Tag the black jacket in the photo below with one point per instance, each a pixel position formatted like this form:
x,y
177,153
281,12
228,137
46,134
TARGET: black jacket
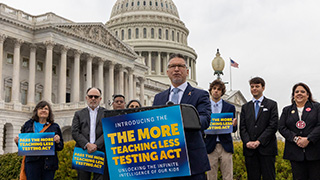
x,y
51,162
263,129
288,129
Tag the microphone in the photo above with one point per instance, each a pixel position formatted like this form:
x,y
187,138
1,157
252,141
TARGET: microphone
x,y
170,103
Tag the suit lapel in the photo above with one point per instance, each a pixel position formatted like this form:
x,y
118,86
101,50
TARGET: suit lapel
x,y
99,116
306,111
87,116
187,94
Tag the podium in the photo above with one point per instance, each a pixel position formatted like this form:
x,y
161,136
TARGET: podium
x,y
190,116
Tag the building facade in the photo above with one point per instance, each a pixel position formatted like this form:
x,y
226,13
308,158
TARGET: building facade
x,y
154,30
48,57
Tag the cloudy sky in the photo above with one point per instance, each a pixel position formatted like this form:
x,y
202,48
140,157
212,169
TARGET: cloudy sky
x,y
277,40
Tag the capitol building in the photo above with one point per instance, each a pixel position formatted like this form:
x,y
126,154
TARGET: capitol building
x,y
48,57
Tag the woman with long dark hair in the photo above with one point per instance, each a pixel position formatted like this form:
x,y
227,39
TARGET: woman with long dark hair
x,y
300,126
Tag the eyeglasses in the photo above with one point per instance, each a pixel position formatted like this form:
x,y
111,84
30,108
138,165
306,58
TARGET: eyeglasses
x,y
93,96
180,66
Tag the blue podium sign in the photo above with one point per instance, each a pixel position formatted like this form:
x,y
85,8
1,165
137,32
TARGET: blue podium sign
x,y
93,162
146,145
36,144
221,123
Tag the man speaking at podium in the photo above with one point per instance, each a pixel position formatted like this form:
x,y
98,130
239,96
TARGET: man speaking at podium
x,y
182,92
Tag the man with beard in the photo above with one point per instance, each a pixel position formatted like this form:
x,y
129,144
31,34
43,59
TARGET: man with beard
x,y
87,130
182,92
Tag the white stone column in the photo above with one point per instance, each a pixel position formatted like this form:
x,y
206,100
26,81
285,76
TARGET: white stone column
x,y
2,39
89,71
32,75
100,75
16,73
76,77
190,68
134,91
121,80
63,75
126,84
111,80
142,90
158,64
194,70
149,63
130,89
47,90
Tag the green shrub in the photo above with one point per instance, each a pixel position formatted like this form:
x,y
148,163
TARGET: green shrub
x,y
65,162
283,167
10,166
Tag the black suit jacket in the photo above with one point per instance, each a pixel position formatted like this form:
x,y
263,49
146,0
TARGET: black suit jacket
x,y
288,129
225,139
81,128
263,129
198,158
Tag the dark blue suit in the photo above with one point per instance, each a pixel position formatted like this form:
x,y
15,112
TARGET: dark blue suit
x,y
198,158
225,139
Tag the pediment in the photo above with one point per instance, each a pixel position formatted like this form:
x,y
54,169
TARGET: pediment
x,y
98,34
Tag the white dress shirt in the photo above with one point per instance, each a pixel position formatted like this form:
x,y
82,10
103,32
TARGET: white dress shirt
x,y
93,118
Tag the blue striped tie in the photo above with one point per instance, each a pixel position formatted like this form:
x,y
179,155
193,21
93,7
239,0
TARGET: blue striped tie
x,y
175,96
257,108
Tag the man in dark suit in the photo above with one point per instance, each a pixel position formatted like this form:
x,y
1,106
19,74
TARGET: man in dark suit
x,y
258,126
182,92
87,130
220,147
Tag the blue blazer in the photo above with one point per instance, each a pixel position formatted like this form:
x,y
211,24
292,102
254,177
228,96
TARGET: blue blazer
x,y
197,153
225,139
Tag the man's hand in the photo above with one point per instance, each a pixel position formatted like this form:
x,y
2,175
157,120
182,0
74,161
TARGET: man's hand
x,y
91,148
234,122
253,144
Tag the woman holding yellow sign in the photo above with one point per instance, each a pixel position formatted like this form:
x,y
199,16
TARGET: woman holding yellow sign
x,y
41,167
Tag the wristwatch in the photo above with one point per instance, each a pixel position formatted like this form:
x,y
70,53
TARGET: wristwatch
x,y
295,139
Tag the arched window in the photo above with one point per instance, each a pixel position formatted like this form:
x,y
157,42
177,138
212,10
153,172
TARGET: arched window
x,y
144,3
132,4
122,34
117,33
126,4
160,33
167,34
156,3
144,32
24,92
172,35
129,33
137,33
150,3
178,35
138,3
152,33
8,89
161,4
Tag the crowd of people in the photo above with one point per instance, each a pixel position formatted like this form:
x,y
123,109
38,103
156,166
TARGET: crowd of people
x,y
299,124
